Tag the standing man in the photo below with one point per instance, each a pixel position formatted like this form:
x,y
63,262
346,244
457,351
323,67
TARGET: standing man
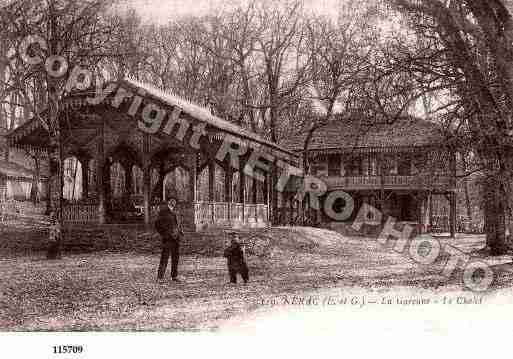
x,y
168,226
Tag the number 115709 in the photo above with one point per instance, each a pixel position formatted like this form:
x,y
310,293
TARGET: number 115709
x,y
67,349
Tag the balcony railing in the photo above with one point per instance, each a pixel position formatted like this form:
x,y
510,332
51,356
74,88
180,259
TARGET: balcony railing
x,y
229,214
199,214
80,213
388,182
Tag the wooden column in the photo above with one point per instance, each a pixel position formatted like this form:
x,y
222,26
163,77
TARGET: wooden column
x,y
48,185
242,191
107,187
254,187
146,180
228,187
291,206
211,180
254,190
193,178
266,189
274,193
100,163
272,198
423,214
146,193
452,199
162,183
228,183
430,211
211,188
128,181
85,177
193,183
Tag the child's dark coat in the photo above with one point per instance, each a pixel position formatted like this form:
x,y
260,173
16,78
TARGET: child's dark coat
x,y
236,262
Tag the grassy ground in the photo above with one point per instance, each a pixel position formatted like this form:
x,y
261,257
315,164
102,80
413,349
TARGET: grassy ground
x,y
117,291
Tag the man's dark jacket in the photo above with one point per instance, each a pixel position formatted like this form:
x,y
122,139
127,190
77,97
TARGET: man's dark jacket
x,y
168,225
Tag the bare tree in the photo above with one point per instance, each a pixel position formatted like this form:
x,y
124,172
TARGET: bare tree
x,y
469,60
77,31
342,52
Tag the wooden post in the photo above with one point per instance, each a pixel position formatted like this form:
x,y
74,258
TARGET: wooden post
x,y
48,185
291,204
266,197
193,182
162,181
266,189
422,214
254,190
272,195
430,211
211,180
100,163
211,188
85,177
128,182
146,180
146,193
228,184
193,178
452,197
242,191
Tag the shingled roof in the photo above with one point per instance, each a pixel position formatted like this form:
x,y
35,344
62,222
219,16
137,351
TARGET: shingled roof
x,y
349,133
167,98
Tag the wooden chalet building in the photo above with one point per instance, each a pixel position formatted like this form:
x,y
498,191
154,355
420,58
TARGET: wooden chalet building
x,y
105,139
16,176
402,168
16,182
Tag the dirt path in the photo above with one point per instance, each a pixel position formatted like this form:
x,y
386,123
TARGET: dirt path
x,y
117,291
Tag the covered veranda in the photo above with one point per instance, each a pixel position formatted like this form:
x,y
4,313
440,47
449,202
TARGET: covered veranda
x,y
116,172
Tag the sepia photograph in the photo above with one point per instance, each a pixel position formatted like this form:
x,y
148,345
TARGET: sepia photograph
x,y
194,168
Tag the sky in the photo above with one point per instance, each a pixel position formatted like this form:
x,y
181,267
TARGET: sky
x,y
162,11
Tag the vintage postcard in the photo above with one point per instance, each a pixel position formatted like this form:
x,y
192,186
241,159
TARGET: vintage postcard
x,y
176,173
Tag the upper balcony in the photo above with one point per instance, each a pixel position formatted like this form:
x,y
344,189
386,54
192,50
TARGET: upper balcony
x,y
389,182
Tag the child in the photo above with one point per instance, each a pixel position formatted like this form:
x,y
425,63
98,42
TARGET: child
x,y
235,260
55,237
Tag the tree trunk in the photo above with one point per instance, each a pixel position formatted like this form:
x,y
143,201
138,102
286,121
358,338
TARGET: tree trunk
x,y
495,218
55,245
466,189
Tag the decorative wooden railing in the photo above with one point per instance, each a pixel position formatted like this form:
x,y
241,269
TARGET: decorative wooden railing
x,y
227,214
388,181
262,213
199,214
221,212
237,212
250,212
80,212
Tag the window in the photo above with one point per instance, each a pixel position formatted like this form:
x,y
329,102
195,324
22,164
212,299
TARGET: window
x,y
390,165
404,166
353,166
373,166
334,165
319,166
